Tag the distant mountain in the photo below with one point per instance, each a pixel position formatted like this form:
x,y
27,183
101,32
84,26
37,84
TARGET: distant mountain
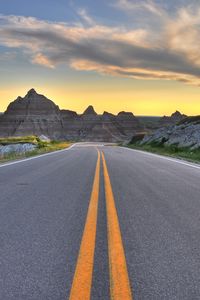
x,y
149,122
37,115
89,111
173,119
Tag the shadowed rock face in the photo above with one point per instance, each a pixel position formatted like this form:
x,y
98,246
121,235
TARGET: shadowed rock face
x,y
127,122
89,111
171,120
36,115
107,127
33,114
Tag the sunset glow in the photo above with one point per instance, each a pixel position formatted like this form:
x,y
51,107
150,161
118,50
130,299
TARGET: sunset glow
x,y
135,59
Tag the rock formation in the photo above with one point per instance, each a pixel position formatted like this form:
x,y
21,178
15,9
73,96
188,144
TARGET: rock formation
x,y
16,148
32,115
36,115
90,126
186,134
89,112
171,120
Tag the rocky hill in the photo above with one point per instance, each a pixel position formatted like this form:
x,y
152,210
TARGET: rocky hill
x,y
33,114
185,134
171,120
36,115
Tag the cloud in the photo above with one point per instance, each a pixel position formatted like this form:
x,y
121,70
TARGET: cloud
x,y
131,5
184,32
43,60
169,53
85,16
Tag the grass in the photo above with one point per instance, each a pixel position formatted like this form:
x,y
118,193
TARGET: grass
x,y
19,140
172,151
42,147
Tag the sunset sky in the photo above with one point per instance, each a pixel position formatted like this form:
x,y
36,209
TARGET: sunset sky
x,y
141,56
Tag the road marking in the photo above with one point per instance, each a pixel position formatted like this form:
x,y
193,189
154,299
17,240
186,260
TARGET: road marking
x,y
119,280
82,281
88,145
35,157
165,158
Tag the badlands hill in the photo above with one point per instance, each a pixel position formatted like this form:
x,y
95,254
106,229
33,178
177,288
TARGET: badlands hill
x,y
171,120
36,115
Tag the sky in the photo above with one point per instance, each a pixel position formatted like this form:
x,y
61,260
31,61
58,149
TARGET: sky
x,y
141,56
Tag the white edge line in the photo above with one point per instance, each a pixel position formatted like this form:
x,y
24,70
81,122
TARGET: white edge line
x,y
35,157
165,157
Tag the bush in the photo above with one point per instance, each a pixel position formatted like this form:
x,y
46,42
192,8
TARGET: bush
x,y
137,138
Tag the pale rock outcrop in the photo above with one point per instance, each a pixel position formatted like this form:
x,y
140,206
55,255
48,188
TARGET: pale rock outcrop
x,y
185,134
16,148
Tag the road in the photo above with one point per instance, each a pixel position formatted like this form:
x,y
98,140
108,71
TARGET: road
x,y
99,222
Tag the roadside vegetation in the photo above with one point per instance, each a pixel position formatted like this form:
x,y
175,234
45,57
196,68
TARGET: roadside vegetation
x,y
173,151
158,145
20,140
41,147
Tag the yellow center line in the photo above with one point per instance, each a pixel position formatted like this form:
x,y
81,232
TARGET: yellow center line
x,y
119,280
82,281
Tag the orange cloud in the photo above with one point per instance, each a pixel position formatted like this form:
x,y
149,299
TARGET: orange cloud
x,y
41,59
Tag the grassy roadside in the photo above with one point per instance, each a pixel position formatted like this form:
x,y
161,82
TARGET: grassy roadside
x,y
42,147
172,151
20,140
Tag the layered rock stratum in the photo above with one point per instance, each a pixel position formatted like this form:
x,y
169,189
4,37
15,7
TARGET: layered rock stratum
x,y
33,114
36,115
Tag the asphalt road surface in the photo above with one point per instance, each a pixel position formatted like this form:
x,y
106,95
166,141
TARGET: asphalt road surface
x,y
99,222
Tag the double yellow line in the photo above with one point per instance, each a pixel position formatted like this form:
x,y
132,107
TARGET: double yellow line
x,y
119,280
